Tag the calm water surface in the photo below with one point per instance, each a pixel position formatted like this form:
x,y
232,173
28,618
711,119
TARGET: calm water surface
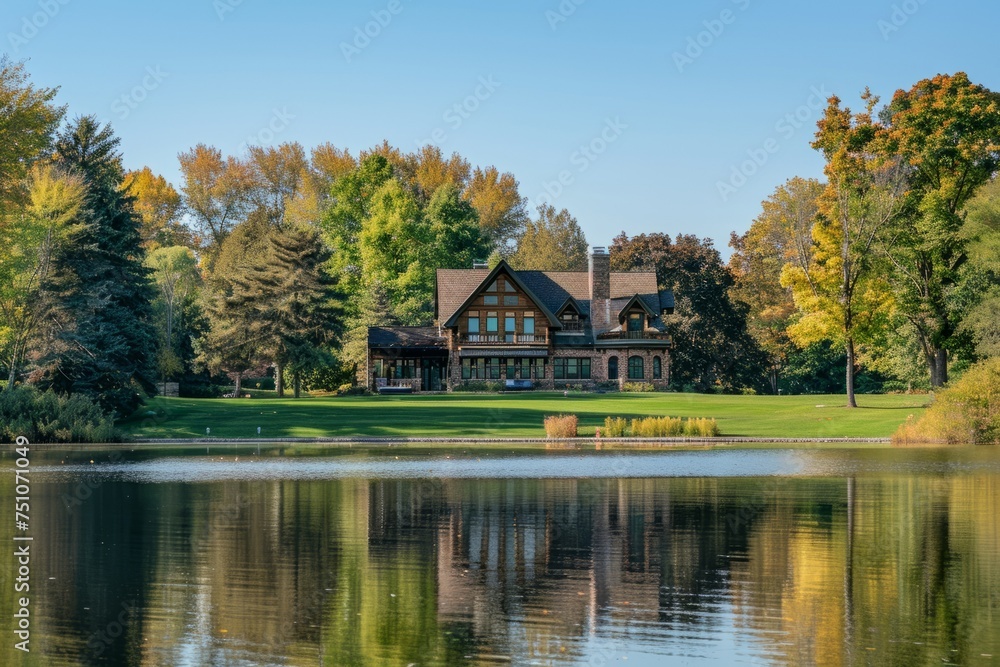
x,y
754,557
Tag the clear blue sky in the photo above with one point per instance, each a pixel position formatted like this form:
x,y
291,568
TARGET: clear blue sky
x,y
557,81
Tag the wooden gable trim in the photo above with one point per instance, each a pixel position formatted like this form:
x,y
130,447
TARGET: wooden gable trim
x,y
504,268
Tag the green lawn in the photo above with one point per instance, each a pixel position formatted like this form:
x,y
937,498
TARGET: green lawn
x,y
516,415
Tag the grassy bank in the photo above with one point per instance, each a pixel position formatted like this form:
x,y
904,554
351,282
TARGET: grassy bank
x,y
515,415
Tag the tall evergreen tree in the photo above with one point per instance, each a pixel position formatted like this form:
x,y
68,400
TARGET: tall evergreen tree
x,y
106,345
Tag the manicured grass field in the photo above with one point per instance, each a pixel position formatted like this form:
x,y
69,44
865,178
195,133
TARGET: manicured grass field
x,y
516,415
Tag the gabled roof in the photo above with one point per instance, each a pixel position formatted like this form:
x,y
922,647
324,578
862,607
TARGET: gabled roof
x,y
455,287
503,267
570,301
633,301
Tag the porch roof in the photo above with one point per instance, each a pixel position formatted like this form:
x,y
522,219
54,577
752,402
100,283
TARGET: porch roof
x,y
501,353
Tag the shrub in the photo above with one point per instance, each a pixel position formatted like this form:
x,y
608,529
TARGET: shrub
x,y
615,427
48,417
701,428
659,427
348,389
479,386
966,413
638,387
561,426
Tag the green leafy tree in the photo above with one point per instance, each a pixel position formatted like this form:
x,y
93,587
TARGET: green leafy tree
x,y
177,279
28,121
981,275
782,233
349,208
947,130
842,294
32,239
553,242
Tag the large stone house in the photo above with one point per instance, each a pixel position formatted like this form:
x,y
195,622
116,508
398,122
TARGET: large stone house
x,y
537,329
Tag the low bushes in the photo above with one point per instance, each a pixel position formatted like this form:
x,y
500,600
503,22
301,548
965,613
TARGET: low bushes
x,y
480,386
615,427
966,413
638,387
348,389
659,427
561,426
47,417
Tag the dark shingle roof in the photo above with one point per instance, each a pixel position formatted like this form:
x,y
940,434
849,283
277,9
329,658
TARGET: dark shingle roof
x,y
455,286
405,337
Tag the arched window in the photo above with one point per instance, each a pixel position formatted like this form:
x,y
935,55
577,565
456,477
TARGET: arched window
x,y
657,368
636,371
613,368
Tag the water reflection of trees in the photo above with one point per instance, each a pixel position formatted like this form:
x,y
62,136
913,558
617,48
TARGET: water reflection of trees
x,y
400,571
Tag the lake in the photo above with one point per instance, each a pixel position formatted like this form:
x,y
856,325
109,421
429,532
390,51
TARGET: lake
x,y
757,557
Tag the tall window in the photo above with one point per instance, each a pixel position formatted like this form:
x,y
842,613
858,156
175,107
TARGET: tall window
x,y
474,326
493,367
635,322
530,369
491,323
509,327
657,368
613,368
636,371
473,369
571,369
529,327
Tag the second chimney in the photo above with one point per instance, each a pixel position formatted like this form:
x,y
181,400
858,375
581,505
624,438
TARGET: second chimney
x,y
600,289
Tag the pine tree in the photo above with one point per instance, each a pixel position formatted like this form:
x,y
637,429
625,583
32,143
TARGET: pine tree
x,y
283,311
105,344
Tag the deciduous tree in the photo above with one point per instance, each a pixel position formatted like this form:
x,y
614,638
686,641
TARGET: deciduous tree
x,y
842,295
947,130
553,242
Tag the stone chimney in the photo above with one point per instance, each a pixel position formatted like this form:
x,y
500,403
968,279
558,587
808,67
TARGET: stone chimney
x,y
600,289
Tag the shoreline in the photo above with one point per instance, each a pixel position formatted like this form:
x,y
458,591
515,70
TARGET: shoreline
x,y
427,440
